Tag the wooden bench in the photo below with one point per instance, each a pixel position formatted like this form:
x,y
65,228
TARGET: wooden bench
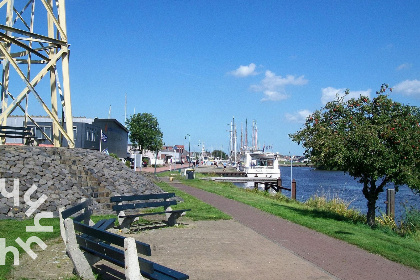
x,y
125,202
88,242
16,132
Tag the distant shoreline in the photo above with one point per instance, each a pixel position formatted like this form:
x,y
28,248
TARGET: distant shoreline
x,y
296,164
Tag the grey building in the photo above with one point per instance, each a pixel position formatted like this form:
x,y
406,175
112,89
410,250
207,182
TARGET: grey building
x,y
116,136
87,133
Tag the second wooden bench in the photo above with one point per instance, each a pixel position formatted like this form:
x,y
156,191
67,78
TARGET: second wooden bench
x,y
133,202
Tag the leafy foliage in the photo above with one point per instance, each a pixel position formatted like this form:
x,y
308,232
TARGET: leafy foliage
x,y
219,153
114,156
374,140
145,132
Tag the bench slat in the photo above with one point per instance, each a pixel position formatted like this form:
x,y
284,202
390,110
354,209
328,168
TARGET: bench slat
x,y
110,237
68,212
81,217
105,224
153,213
111,254
142,197
163,273
123,207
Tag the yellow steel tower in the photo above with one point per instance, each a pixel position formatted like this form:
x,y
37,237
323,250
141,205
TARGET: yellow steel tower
x,y
29,52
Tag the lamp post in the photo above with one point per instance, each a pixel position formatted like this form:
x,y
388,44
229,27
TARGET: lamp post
x,y
157,153
189,149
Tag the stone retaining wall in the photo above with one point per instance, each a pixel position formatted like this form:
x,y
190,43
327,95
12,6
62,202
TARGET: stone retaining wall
x,y
64,176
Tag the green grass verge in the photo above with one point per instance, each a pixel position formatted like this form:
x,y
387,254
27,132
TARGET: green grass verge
x,y
199,210
10,230
381,240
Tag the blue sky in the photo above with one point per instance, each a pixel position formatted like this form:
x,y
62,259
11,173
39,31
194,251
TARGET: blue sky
x,y
197,64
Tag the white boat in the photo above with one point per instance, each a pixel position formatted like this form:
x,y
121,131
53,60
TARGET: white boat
x,y
261,164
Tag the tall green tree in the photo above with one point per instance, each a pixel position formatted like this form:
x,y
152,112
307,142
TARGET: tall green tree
x,y
144,132
219,153
374,140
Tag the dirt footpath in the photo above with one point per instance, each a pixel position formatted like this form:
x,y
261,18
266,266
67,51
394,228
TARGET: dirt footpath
x,y
203,250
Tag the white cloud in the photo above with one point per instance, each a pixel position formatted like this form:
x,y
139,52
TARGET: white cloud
x,y
408,87
244,71
404,66
330,94
299,117
273,86
274,95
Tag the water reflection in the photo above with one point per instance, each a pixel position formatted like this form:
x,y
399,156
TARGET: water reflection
x,y
310,182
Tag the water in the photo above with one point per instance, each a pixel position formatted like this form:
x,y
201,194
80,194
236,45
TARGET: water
x,y
310,182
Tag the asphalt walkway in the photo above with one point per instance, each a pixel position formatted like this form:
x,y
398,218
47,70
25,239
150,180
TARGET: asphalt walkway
x,y
336,257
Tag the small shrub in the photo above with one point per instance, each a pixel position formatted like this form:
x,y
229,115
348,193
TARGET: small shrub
x,y
282,197
335,205
386,221
410,224
114,156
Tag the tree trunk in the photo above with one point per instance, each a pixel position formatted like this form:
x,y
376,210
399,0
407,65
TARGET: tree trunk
x,y
371,212
371,194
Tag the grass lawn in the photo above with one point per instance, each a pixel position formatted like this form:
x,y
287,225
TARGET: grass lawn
x,y
380,240
10,230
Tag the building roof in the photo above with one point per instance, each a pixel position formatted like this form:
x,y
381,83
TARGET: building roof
x,y
111,120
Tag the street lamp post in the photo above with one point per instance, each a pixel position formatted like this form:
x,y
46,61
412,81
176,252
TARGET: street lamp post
x,y
189,149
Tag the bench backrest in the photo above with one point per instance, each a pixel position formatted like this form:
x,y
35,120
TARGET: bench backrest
x,y
77,208
122,198
157,200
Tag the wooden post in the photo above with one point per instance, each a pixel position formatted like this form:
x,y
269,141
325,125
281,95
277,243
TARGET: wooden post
x,y
294,189
390,203
279,185
256,186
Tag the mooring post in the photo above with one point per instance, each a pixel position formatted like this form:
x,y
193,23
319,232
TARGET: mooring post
x,y
390,203
294,189
279,185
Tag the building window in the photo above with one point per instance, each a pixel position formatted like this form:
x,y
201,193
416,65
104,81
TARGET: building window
x,y
47,131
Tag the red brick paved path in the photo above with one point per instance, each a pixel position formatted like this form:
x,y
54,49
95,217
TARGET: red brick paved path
x,y
340,259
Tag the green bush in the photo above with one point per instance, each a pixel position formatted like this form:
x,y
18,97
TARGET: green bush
x,y
335,205
410,224
114,156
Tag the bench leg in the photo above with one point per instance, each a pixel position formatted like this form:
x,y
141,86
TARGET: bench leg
x,y
171,218
78,259
62,229
125,222
132,267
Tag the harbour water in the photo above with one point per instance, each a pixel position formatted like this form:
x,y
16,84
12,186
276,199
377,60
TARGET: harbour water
x,y
310,182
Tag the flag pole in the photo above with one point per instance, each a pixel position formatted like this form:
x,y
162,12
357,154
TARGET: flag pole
x,y
100,142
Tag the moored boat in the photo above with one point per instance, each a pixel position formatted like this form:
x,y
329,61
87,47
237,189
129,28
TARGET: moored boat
x,y
261,164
